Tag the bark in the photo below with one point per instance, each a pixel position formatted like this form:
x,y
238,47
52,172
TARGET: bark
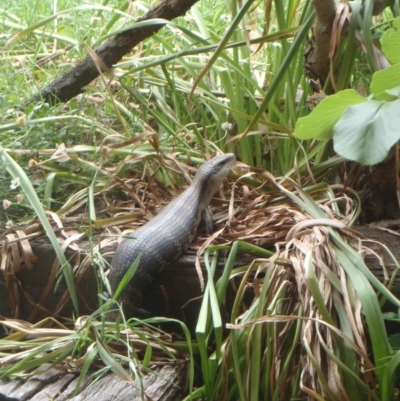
x,y
317,56
317,61
72,82
165,383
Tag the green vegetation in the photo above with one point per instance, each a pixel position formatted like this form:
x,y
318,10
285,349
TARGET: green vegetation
x,y
213,80
355,123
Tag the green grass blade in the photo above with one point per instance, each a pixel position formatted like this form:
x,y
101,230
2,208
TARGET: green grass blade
x,y
281,73
16,172
371,310
127,276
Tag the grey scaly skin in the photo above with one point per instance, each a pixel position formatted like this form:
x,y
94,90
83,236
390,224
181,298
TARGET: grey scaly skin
x,y
168,235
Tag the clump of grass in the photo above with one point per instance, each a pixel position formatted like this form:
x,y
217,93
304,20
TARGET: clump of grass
x,y
128,350
315,328
314,295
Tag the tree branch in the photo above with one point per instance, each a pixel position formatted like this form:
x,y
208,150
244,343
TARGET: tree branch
x,y
317,59
71,83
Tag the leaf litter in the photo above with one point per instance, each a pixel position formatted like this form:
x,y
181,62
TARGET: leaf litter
x,y
253,207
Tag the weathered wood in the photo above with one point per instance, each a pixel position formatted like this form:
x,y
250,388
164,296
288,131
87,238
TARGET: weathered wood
x,y
35,388
165,383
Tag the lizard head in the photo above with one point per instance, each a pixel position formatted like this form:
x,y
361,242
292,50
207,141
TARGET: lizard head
x,y
211,174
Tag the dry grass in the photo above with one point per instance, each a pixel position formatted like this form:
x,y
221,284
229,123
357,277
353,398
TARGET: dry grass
x,y
308,329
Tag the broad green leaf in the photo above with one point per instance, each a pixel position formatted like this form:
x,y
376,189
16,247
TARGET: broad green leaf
x,y
319,124
390,42
385,80
367,131
394,93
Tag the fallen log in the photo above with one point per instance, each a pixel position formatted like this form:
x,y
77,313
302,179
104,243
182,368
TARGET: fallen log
x,y
164,383
176,292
